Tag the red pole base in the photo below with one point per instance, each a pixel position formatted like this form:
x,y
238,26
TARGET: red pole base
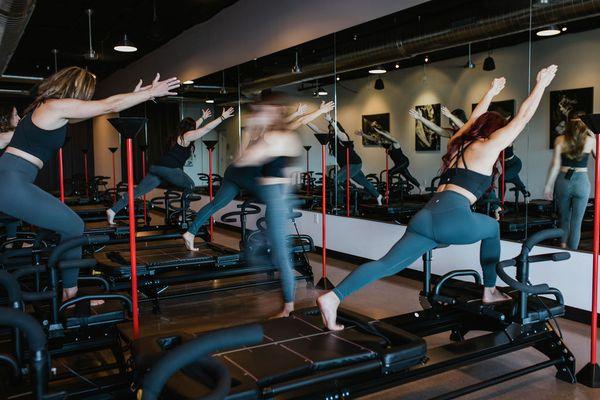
x,y
132,242
589,375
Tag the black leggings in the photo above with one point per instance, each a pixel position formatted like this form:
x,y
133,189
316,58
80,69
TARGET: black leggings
x,y
402,169
29,203
446,219
513,168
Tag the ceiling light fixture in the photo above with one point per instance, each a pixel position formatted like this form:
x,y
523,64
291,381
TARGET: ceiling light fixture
x,y
470,63
188,82
90,54
223,90
489,64
379,84
397,65
426,59
296,68
125,45
55,54
337,78
322,92
564,29
377,70
209,101
550,30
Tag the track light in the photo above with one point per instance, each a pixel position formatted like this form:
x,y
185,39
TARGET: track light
x,y
426,59
377,70
469,63
223,90
489,64
379,84
91,53
337,78
397,65
550,30
125,45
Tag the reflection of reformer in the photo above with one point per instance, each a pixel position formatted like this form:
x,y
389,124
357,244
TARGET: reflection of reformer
x,y
519,219
371,355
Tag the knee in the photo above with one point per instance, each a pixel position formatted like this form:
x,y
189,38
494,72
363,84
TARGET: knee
x,y
75,227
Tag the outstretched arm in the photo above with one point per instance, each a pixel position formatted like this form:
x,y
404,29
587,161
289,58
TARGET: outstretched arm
x,y
455,120
206,114
6,137
300,111
325,108
386,135
198,133
503,137
437,129
554,168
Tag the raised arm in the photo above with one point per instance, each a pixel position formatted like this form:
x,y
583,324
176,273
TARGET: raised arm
x,y
503,137
271,145
386,135
198,133
323,109
437,129
483,105
59,111
206,114
300,111
455,120
554,168
339,129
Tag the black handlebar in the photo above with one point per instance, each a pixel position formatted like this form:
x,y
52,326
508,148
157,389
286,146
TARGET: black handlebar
x,y
539,237
195,350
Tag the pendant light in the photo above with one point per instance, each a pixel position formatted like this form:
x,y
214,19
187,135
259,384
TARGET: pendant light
x,y
379,84
296,68
223,90
91,53
125,45
470,64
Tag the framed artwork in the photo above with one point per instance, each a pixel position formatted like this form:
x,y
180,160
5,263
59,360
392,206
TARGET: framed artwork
x,y
562,102
425,138
504,107
369,122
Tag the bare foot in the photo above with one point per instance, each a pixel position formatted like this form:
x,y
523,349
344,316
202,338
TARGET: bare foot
x,y
285,311
493,295
188,240
328,304
69,293
563,245
379,198
110,216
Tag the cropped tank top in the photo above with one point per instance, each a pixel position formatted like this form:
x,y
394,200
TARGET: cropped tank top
x,y
572,163
176,156
465,178
397,155
341,146
276,167
36,141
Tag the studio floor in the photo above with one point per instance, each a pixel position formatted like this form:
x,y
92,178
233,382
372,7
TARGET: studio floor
x,y
384,298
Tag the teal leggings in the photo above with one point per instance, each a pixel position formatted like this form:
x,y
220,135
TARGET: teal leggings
x,y
446,219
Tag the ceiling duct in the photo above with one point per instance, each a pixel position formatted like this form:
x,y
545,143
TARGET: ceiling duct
x,y
14,16
402,48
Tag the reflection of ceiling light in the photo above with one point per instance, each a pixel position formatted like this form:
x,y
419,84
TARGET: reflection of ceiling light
x,y
322,92
397,65
379,84
426,59
125,46
91,53
210,101
337,78
489,64
564,29
469,63
550,30
188,82
377,70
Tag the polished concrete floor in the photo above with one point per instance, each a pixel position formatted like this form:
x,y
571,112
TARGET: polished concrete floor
x,y
384,298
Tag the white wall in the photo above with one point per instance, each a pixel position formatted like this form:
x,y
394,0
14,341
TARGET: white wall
x,y
106,136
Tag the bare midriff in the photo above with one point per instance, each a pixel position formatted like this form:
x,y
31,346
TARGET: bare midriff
x,y
26,156
460,190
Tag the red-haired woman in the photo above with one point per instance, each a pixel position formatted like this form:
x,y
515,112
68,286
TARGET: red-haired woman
x,y
469,168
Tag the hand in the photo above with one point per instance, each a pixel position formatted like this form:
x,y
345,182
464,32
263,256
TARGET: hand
x,y
327,107
497,86
328,117
359,133
301,109
206,114
14,118
163,88
414,113
446,112
548,194
546,75
227,113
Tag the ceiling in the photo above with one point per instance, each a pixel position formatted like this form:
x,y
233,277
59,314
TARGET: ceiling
x,y
63,25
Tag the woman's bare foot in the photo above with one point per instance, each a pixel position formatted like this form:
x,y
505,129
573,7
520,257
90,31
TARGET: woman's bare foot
x,y
110,216
285,311
69,293
328,304
563,245
188,240
493,295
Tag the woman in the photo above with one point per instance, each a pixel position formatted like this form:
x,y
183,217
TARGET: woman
x,y
234,179
63,98
342,143
401,162
7,130
169,168
468,170
568,177
457,119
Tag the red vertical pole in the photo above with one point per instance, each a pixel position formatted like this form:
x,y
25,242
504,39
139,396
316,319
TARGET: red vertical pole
x,y
210,188
502,183
387,178
61,175
132,243
324,215
85,171
307,175
114,178
596,248
347,181
143,176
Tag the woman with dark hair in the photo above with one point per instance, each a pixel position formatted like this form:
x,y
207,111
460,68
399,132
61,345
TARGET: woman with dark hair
x,y
469,167
170,167
457,119
63,98
7,130
568,180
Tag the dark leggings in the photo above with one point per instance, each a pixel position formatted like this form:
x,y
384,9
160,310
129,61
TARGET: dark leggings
x,y
402,169
156,175
513,168
226,193
31,204
446,219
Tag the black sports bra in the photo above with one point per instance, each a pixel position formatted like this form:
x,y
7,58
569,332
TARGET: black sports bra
x,y
470,180
176,156
572,163
36,141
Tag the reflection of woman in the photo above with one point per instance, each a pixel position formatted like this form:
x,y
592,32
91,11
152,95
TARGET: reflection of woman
x,y
7,129
425,136
342,142
401,162
457,119
468,171
169,168
568,178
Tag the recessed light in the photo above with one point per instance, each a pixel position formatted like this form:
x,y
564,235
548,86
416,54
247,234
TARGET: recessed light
x,y
210,101
551,30
377,70
337,78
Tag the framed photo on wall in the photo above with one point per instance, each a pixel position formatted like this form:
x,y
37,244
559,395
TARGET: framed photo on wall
x,y
425,138
504,107
562,102
380,121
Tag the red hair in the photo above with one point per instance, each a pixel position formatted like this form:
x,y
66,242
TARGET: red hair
x,y
488,123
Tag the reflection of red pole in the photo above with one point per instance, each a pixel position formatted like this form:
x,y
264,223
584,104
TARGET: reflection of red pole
x,y
387,178
347,181
324,215
502,182
210,187
143,176
85,171
307,174
114,176
61,175
596,248
132,243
